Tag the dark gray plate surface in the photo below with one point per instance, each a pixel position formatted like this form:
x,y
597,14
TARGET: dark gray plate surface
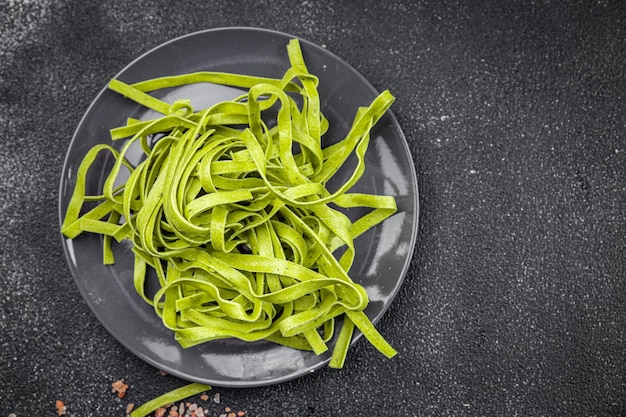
x,y
383,254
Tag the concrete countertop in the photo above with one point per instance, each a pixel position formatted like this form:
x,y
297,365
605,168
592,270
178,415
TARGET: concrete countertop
x,y
515,116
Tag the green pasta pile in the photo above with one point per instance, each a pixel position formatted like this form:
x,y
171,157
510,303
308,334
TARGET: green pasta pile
x,y
233,213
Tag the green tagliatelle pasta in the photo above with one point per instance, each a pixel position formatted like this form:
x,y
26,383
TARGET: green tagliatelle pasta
x,y
240,228
170,397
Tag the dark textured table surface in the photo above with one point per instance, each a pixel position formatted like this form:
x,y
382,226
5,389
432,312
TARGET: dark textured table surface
x,y
515,114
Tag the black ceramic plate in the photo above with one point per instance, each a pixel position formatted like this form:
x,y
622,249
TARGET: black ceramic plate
x,y
383,253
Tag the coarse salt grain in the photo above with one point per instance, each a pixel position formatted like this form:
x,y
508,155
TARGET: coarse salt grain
x,y
60,407
120,387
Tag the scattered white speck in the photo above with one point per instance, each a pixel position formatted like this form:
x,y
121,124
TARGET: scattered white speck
x,y
26,17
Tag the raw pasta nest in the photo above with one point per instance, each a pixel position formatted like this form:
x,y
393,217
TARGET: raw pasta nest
x,y
233,213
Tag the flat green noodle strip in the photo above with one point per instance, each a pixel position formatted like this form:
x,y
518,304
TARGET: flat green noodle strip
x,y
239,228
171,397
338,357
